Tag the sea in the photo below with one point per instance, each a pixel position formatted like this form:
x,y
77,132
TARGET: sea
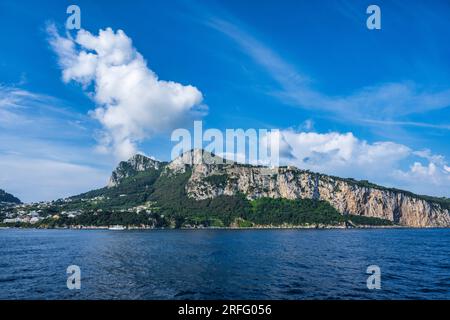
x,y
292,264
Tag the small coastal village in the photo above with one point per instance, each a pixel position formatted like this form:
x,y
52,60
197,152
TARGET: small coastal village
x,y
32,215
21,214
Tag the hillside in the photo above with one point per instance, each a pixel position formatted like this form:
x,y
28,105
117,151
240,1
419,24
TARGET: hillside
x,y
219,193
214,193
347,196
8,198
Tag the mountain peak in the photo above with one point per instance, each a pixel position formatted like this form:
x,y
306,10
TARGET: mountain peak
x,y
196,156
132,166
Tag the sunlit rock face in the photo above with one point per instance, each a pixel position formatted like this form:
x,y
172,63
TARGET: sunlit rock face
x,y
135,164
212,176
348,197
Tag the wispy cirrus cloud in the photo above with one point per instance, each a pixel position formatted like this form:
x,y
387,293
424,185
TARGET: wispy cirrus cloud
x,y
378,102
380,105
46,150
36,113
408,124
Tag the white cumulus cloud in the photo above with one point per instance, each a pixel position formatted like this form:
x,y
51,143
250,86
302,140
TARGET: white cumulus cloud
x,y
132,103
341,153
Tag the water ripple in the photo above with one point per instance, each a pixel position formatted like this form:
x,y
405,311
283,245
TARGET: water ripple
x,y
221,264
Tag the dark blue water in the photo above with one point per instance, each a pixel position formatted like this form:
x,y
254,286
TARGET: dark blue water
x,y
225,264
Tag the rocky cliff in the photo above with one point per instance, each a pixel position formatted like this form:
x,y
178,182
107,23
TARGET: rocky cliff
x,y
137,163
211,176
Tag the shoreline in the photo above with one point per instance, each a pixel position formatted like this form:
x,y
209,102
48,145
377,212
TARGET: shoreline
x,y
228,228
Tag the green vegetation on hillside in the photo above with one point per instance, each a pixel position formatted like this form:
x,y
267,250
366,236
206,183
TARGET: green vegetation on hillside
x,y
157,199
218,180
132,191
173,202
7,197
303,211
296,212
368,221
111,218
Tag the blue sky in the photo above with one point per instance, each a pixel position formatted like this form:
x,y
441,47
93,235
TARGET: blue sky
x,y
369,104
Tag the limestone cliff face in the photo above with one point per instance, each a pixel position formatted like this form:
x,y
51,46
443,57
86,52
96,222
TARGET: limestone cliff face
x,y
137,163
215,178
